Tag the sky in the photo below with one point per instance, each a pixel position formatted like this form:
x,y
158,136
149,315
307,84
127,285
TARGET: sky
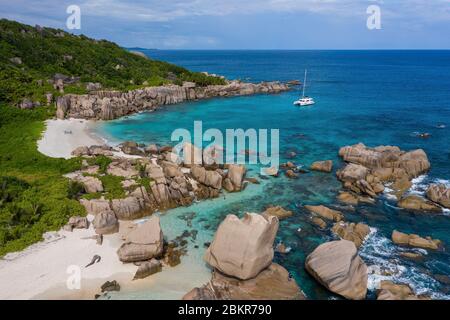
x,y
247,24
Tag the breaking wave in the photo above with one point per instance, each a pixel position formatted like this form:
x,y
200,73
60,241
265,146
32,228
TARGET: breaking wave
x,y
384,263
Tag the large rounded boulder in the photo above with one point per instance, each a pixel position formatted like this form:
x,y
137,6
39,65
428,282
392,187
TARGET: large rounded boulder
x,y
242,248
106,222
273,283
439,193
143,243
337,266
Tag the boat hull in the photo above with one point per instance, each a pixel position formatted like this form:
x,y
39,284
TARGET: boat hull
x,y
303,104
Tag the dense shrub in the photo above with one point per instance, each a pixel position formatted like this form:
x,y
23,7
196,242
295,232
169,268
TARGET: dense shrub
x,y
34,196
46,51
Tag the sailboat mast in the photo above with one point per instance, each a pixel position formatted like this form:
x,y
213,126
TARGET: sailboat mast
x,y
304,84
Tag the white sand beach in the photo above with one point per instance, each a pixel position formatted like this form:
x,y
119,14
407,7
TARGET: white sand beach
x,y
61,137
42,270
45,266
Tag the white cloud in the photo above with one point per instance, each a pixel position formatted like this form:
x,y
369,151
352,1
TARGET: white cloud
x,y
157,10
170,10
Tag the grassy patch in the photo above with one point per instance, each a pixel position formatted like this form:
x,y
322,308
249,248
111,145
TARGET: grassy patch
x,y
146,183
101,161
113,186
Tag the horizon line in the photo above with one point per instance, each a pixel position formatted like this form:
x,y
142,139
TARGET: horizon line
x,y
361,49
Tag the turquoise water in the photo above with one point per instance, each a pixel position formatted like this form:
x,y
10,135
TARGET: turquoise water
x,y
374,97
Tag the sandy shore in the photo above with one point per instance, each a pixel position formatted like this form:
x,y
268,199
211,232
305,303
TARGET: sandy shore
x,y
43,269
61,137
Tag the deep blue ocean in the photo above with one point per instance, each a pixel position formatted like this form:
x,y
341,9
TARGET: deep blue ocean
x,y
374,97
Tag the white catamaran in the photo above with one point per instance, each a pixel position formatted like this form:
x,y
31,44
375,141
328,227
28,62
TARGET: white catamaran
x,y
304,100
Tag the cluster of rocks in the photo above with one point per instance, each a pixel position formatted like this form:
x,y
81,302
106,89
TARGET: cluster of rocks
x,y
171,183
27,103
241,257
393,291
292,170
369,170
95,150
440,194
144,246
355,232
76,222
59,80
414,240
278,211
323,166
107,105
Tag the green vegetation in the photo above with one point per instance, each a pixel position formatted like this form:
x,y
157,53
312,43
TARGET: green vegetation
x,y
101,161
113,186
146,183
45,52
34,196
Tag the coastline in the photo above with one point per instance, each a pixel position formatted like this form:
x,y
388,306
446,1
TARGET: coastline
x,y
61,137
25,275
38,280
41,270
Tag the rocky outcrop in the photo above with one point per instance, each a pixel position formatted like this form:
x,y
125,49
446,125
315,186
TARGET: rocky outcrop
x,y
413,240
440,194
143,243
168,184
132,148
324,166
106,222
92,151
109,286
76,222
122,168
130,208
207,177
368,169
325,212
241,255
393,291
278,212
352,173
413,162
235,176
90,184
151,149
348,198
291,174
319,222
271,171
147,268
95,206
273,283
355,233
108,105
337,266
417,203
243,247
